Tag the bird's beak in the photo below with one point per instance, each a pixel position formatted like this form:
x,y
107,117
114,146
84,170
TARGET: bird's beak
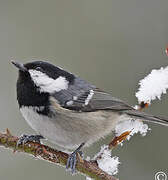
x,y
20,66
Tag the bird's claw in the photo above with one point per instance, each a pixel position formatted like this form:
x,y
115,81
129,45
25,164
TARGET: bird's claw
x,y
71,162
72,159
23,139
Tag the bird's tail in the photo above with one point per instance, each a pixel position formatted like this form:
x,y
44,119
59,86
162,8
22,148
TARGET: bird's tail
x,y
147,117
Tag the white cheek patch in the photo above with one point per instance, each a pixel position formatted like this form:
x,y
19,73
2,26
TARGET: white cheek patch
x,y
48,84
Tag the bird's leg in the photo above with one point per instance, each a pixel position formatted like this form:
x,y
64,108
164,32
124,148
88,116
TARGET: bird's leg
x,y
23,139
72,159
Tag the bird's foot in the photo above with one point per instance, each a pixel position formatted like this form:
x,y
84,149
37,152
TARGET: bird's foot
x,y
23,139
72,159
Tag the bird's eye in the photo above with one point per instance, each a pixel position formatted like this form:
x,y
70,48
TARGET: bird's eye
x,y
38,68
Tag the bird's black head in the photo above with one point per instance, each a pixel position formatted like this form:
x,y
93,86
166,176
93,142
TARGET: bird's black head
x,y
38,80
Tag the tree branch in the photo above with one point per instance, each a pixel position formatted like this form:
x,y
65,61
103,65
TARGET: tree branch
x,y
88,168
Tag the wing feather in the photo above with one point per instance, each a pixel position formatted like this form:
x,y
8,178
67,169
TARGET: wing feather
x,y
104,101
82,96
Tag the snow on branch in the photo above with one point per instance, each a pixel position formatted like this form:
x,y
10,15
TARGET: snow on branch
x,y
134,126
124,130
153,85
107,163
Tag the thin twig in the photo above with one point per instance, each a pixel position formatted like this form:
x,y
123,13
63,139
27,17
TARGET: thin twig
x,y
88,168
115,142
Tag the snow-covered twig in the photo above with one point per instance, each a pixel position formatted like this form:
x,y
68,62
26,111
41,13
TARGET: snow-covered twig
x,y
106,162
134,126
153,85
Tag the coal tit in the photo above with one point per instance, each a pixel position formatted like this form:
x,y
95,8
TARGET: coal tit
x,y
66,109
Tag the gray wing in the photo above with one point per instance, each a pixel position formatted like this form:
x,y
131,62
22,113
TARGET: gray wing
x,y
82,96
104,101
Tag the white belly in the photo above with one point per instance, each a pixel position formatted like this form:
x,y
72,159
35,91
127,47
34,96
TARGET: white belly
x,y
69,129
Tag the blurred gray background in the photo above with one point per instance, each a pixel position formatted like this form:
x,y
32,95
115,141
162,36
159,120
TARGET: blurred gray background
x,y
111,43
